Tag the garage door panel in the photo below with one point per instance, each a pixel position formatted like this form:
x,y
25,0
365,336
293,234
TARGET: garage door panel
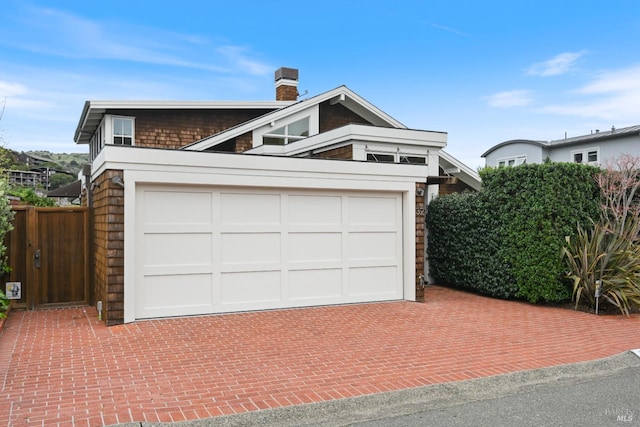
x,y
250,287
174,292
250,248
315,284
248,208
380,282
315,247
177,249
373,210
173,207
373,246
317,210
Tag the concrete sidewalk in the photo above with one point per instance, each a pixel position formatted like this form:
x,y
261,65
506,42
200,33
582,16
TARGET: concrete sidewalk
x,y
64,367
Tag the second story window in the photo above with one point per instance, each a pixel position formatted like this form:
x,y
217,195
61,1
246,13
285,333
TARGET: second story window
x,y
513,161
590,156
122,131
397,157
112,130
287,134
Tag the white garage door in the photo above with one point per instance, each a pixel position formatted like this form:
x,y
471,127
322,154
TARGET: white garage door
x,y
212,250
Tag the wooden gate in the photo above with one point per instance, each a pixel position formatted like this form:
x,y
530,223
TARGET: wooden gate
x,y
48,255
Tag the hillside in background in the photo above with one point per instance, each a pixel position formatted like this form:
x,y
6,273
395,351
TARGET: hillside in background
x,y
69,162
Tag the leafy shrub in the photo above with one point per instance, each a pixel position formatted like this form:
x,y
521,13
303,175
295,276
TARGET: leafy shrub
x,y
506,240
6,218
29,197
4,305
537,206
464,249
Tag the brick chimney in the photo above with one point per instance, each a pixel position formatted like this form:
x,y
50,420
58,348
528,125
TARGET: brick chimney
x,y
287,84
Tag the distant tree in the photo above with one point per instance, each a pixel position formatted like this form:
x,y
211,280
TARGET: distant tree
x,y
58,180
28,196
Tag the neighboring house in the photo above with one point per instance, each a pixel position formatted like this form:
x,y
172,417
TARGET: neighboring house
x,y
595,148
32,160
232,206
37,177
67,195
26,178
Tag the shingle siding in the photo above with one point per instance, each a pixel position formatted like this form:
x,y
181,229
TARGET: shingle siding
x,y
420,255
108,223
335,116
177,128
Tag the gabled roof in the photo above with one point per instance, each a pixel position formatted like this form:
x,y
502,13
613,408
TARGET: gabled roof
x,y
36,157
93,111
341,94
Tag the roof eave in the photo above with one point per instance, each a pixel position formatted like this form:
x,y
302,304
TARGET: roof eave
x,y
514,141
97,109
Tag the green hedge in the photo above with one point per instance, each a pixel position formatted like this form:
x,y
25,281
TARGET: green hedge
x,y
506,240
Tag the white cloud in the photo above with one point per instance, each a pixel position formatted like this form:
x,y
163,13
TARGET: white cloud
x,y
612,95
11,88
63,34
624,80
238,56
559,64
511,98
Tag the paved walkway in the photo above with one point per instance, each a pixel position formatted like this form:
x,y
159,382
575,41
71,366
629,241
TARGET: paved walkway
x,y
64,367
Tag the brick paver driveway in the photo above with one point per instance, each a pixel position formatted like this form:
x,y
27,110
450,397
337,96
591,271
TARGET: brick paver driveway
x,y
64,367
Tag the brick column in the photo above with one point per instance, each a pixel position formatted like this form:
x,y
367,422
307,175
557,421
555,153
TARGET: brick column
x,y
108,245
421,188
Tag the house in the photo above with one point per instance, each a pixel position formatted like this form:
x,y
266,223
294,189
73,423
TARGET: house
x,y
594,148
33,160
67,195
25,178
233,206
37,177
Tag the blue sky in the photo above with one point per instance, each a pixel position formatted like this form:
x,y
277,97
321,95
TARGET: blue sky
x,y
483,71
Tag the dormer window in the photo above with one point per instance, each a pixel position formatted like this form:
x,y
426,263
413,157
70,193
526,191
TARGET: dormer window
x,y
287,134
122,131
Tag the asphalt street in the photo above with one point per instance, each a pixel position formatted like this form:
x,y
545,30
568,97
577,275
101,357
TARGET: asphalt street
x,y
599,393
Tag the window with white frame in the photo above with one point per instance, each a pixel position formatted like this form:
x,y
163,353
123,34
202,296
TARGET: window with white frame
x,y
416,160
589,156
112,130
288,133
512,161
122,130
397,157
381,157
